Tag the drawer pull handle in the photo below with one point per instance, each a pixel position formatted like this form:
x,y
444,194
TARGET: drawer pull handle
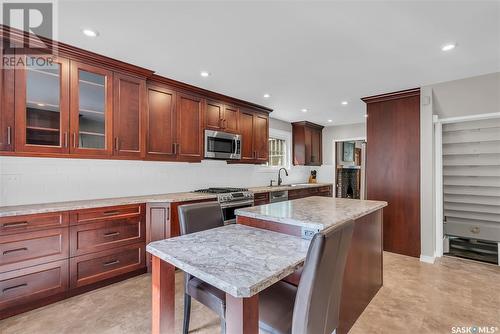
x,y
110,263
15,250
14,224
111,234
475,230
110,213
14,287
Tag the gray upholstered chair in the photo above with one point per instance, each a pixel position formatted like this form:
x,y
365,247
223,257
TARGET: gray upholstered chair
x,y
313,306
195,218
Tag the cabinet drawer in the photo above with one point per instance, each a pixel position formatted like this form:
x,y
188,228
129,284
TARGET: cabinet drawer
x,y
325,191
94,237
25,223
22,286
106,213
261,198
92,268
299,193
32,248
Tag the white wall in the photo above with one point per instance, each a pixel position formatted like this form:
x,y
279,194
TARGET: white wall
x,y
465,97
42,180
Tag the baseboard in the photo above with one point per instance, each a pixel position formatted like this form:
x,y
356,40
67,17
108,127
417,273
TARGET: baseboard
x,y
427,259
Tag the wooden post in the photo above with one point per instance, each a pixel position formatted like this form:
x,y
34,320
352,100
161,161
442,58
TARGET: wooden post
x,y
242,315
163,285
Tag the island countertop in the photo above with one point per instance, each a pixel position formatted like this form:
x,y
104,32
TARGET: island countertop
x,y
237,259
312,212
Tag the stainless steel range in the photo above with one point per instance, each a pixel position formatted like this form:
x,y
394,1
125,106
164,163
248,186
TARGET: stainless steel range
x,y
230,199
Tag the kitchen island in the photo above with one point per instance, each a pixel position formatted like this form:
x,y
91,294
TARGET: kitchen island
x,y
244,260
363,275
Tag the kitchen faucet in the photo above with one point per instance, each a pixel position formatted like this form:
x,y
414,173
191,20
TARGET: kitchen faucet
x,y
279,175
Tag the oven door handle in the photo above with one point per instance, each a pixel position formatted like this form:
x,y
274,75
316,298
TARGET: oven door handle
x,y
234,204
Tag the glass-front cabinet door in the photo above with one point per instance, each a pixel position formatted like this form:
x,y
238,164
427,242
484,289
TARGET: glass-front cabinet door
x,y
42,106
91,106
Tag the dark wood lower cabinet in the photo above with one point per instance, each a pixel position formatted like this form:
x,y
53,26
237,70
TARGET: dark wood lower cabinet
x,y
95,267
94,237
326,191
261,199
31,287
51,256
28,249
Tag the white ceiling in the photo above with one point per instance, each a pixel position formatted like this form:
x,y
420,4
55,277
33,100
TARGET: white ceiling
x,y
305,54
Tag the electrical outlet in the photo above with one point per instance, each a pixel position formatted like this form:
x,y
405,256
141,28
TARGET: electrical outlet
x,y
308,233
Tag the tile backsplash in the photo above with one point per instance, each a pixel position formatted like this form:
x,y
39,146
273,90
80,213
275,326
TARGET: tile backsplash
x,y
42,180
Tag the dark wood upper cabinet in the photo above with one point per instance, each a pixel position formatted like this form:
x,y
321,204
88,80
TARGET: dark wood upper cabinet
x,y
261,137
247,136
214,115
87,105
6,108
223,117
128,112
393,166
231,118
91,110
254,130
189,111
161,124
307,144
42,107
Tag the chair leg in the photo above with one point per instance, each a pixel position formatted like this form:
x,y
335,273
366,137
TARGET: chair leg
x,y
223,326
187,313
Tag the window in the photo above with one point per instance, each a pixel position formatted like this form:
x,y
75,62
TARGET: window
x,y
277,152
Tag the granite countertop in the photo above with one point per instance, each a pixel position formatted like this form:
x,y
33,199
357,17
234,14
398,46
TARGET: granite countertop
x,y
313,212
17,210
237,259
266,189
96,203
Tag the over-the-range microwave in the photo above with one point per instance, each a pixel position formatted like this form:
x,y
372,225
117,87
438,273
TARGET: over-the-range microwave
x,y
222,145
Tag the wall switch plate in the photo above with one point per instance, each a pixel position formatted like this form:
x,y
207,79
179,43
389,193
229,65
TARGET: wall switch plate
x,y
308,233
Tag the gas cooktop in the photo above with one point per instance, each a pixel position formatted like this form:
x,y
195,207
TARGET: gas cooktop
x,y
222,190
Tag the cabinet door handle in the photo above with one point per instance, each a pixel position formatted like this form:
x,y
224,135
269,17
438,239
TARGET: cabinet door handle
x,y
14,224
9,135
111,234
110,263
112,212
74,139
22,249
175,148
178,148
117,144
14,287
65,139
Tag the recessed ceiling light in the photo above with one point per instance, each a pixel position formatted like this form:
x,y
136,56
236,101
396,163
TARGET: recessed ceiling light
x,y
90,33
344,103
448,47
303,110
266,96
204,74
329,121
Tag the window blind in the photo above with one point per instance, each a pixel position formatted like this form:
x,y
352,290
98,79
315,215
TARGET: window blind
x,y
471,179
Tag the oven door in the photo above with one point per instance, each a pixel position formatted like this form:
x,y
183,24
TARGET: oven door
x,y
222,145
229,208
